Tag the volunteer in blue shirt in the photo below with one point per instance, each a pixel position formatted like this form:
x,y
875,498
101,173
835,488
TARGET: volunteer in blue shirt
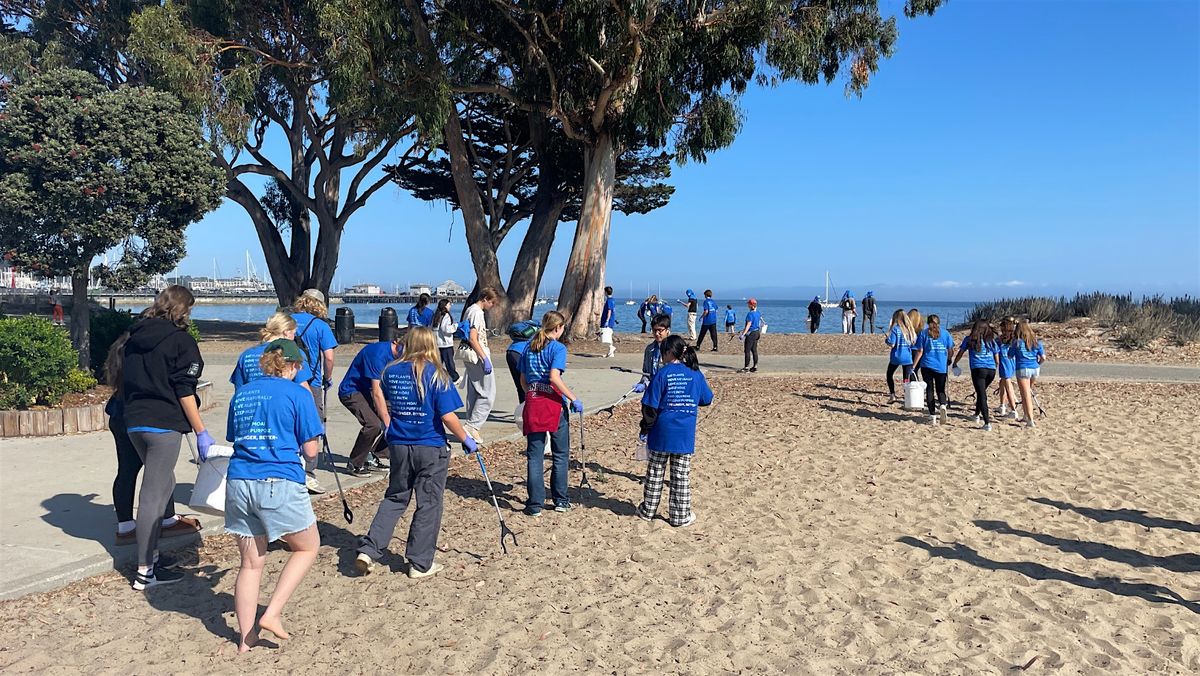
x,y
668,428
708,320
417,402
420,314
513,355
280,325
608,322
546,410
652,357
665,308
984,360
355,393
750,334
900,338
1008,368
730,319
272,423
316,340
1028,353
646,311
934,346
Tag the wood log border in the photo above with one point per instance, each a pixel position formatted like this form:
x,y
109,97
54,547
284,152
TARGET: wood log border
x,y
77,420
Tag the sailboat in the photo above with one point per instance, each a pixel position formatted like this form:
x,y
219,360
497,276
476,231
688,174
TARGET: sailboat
x,y
826,302
631,301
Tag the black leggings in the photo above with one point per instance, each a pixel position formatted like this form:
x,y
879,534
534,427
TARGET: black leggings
x,y
514,369
933,380
708,328
752,348
891,375
814,323
981,379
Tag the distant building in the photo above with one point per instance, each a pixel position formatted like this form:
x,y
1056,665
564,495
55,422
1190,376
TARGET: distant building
x,y
450,289
366,289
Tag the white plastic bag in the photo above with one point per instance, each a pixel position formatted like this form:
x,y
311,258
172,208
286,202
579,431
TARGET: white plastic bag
x,y
519,416
642,452
606,336
208,494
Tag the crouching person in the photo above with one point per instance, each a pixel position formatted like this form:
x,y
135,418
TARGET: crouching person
x,y
274,427
669,412
417,402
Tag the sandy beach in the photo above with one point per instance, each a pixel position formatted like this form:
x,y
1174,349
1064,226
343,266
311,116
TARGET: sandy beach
x,y
835,535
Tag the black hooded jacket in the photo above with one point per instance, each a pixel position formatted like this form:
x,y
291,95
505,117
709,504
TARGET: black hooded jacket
x,y
162,365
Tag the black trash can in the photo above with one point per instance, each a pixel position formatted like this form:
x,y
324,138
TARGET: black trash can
x,y
388,325
343,326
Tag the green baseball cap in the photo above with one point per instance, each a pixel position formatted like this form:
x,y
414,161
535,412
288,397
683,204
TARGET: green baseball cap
x,y
291,351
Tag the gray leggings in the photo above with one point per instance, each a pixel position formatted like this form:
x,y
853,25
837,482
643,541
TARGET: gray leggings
x,y
159,452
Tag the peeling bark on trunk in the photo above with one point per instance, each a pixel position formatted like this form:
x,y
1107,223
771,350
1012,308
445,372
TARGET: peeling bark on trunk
x,y
535,250
479,240
81,318
582,295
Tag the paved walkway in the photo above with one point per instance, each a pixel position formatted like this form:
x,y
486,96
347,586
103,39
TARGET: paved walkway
x,y
56,517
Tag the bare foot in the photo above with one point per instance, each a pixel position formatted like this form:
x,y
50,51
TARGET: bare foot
x,y
273,625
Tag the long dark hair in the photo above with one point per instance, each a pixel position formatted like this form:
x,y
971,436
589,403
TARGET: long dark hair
x,y
676,348
443,309
422,301
933,325
981,332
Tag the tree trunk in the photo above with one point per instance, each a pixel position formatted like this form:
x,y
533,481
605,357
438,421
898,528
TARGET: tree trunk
x,y
81,318
288,272
329,246
535,250
479,240
582,294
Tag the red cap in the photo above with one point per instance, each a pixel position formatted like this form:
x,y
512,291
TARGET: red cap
x,y
753,301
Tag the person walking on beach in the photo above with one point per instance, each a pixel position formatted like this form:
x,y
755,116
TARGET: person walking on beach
x,y
749,336
247,369
158,391
652,356
730,320
934,347
1008,368
608,321
547,399
1029,354
984,362
421,314
356,394
418,402
272,422
868,308
691,313
848,312
670,409
443,327
645,312
56,308
481,382
316,340
900,338
918,325
708,320
814,314
129,463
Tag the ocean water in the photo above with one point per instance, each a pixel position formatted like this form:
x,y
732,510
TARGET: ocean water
x,y
782,316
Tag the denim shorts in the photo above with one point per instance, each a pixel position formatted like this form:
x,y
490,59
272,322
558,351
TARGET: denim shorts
x,y
1027,374
268,507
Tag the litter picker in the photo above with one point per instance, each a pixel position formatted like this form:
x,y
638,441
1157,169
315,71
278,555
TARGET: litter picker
x,y
583,480
505,531
347,513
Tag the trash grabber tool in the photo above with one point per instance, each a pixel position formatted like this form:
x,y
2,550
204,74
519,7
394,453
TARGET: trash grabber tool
x,y
505,531
583,480
347,513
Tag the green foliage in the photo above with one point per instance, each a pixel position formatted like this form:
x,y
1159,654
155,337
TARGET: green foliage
x,y
36,363
1146,324
1032,308
79,380
193,331
106,327
1136,325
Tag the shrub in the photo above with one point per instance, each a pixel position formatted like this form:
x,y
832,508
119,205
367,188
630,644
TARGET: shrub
x,y
1187,329
1186,305
1145,325
36,359
107,326
1033,308
80,380
194,331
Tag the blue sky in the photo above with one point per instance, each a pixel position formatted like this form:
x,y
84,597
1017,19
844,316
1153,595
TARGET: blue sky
x,y
1007,148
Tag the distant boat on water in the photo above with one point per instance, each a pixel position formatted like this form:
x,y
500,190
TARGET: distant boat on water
x,y
826,302
631,301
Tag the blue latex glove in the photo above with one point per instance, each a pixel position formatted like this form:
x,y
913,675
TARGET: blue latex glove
x,y
639,388
487,366
204,441
470,445
577,406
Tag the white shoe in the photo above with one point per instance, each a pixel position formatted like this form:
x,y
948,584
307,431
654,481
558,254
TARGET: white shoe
x,y
933,420
987,427
1030,424
691,519
364,564
314,487
417,574
1002,411
977,418
942,414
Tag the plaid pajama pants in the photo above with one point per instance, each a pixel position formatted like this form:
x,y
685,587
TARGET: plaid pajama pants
x,y
680,505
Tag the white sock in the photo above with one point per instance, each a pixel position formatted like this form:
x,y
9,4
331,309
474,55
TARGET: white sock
x,y
126,527
169,521
145,570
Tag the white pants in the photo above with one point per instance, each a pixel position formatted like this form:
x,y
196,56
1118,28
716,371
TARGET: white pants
x,y
691,326
847,320
481,394
606,338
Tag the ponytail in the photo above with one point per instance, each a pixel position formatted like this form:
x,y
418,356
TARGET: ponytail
x,y
675,348
550,321
934,323
689,358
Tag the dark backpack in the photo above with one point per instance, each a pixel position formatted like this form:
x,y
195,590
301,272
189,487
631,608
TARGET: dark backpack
x,y
524,330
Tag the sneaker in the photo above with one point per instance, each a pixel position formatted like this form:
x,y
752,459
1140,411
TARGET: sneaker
x,y
158,576
1012,415
891,398
1030,424
128,538
357,471
364,564
942,414
562,508
691,519
743,370
754,369
185,525
714,350
1003,410
533,512
987,427
933,420
314,487
416,574
376,463
976,418
165,562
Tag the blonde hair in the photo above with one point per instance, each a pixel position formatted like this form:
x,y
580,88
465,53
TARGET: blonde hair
x,y
935,326
900,319
420,350
277,327
174,304
115,362
312,306
914,320
273,363
1026,335
550,321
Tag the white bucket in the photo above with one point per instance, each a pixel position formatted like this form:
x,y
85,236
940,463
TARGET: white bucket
x,y
519,416
606,336
208,494
914,395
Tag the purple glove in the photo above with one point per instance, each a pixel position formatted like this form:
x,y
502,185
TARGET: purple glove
x,y
204,441
469,445
577,406
639,388
642,438
487,366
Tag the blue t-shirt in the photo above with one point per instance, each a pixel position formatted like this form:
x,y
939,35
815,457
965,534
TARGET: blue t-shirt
x,y
417,421
710,306
317,337
730,317
420,317
248,368
985,356
608,314
269,419
1024,357
934,350
519,347
754,318
676,391
665,309
901,354
536,365
366,366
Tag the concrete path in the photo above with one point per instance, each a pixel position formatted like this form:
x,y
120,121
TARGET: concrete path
x,y
57,522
